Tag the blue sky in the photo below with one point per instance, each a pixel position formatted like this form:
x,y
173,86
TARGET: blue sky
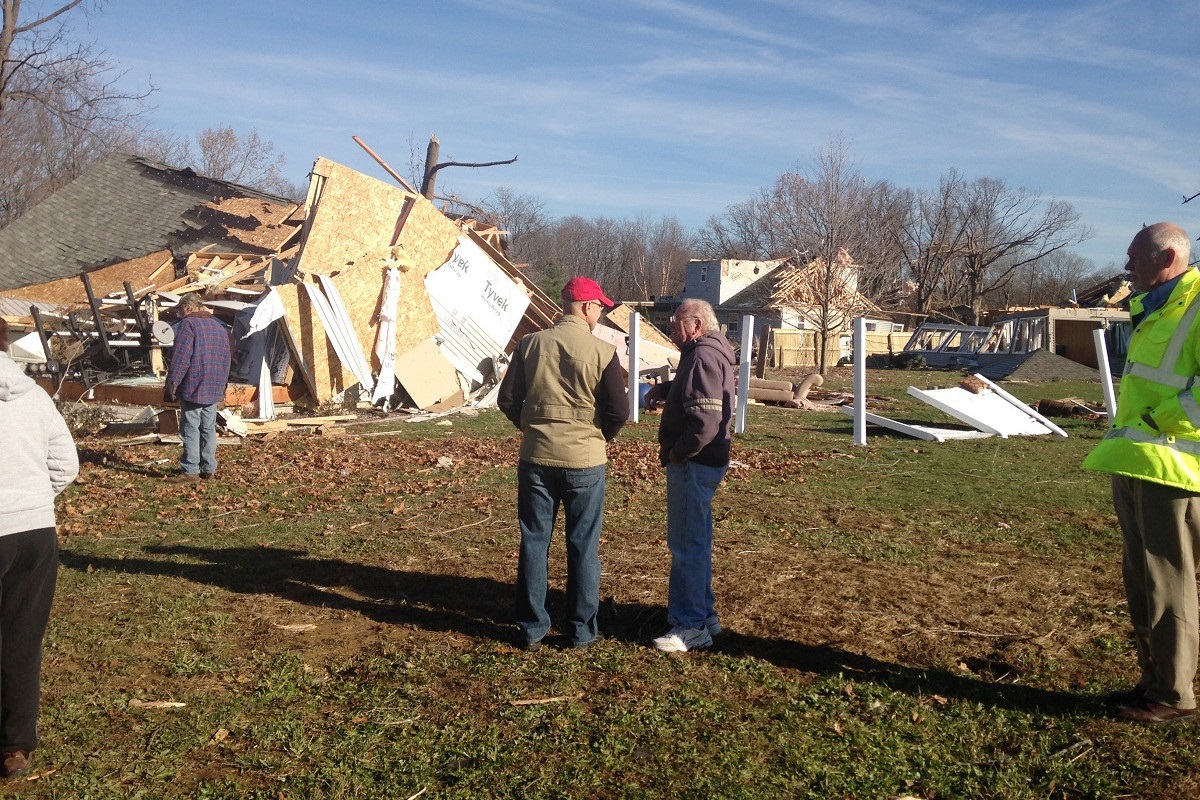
x,y
622,108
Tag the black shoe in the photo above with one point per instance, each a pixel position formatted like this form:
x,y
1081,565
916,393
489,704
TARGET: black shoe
x,y
531,646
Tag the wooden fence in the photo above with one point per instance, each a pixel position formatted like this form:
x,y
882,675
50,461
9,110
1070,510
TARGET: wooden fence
x,y
794,348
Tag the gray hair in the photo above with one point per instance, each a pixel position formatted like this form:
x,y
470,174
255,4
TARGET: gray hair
x,y
701,310
190,302
1168,236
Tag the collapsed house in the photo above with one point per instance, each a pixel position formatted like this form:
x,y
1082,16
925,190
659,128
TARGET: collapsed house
x,y
365,291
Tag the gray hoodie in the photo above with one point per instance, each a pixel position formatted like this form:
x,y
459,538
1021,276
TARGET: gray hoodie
x,y
37,454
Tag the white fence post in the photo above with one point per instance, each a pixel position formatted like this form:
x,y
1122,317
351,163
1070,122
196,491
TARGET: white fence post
x,y
634,379
743,389
1110,401
860,380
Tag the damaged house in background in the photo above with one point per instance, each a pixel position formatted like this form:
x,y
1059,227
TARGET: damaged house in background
x,y
792,301
1038,343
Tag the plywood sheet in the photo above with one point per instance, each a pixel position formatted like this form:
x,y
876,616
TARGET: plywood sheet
x,y
426,375
311,343
618,317
147,270
650,356
349,236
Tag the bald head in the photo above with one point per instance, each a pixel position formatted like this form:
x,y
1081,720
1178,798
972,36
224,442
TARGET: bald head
x,y
1157,254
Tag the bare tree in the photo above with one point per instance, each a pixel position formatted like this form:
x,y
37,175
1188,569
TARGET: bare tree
x,y
741,232
933,237
589,247
60,106
162,146
879,250
819,214
247,159
1050,280
654,256
522,215
1007,229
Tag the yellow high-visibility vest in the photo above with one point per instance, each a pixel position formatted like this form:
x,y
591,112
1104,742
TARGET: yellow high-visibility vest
x,y
1156,433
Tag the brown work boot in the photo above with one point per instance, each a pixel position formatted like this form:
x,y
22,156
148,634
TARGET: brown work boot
x,y
1149,712
16,763
183,477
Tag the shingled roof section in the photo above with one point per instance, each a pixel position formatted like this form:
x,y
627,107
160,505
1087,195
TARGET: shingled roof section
x,y
126,207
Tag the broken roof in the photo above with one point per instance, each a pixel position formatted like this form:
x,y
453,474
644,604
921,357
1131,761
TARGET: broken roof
x,y
125,207
790,285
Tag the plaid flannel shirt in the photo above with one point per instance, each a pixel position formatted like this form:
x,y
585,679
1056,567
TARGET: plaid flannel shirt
x,y
200,359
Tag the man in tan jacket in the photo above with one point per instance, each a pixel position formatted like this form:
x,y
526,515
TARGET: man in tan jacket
x,y
565,390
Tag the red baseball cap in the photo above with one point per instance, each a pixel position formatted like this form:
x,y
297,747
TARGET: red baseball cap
x,y
583,289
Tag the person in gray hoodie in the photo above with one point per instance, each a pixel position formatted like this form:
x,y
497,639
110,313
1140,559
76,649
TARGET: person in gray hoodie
x,y
694,439
39,462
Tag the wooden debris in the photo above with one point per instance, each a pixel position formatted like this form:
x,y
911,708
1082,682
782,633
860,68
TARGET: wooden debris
x,y
135,703
319,421
546,700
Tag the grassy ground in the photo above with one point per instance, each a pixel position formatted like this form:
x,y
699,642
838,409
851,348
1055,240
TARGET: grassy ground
x,y
329,619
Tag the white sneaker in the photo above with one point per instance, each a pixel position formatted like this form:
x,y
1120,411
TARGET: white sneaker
x,y
680,640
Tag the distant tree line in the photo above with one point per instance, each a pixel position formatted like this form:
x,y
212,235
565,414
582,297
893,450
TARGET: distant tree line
x,y
969,244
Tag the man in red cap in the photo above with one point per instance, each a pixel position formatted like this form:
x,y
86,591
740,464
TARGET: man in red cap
x,y
565,390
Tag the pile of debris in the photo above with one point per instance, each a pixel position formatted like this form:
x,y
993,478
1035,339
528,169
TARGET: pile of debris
x,y
364,294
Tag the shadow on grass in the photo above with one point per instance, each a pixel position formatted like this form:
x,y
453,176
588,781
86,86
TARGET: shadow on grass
x,y
473,606
482,607
117,462
910,680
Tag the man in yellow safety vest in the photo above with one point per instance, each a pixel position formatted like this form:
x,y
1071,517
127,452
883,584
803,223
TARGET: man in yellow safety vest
x,y
1152,450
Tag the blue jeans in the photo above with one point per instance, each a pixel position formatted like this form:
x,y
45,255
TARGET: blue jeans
x,y
690,490
540,492
198,429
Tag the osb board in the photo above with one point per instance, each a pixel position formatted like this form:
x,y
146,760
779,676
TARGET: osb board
x,y
426,374
140,272
619,318
349,238
321,364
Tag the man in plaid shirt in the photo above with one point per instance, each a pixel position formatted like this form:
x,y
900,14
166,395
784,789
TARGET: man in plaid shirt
x,y
197,376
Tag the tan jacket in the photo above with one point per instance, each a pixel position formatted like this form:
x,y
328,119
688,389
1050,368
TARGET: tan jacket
x,y
559,390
